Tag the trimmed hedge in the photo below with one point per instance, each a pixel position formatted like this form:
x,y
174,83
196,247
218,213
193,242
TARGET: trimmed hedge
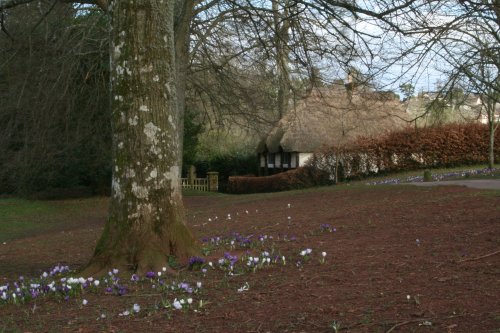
x,y
294,179
410,149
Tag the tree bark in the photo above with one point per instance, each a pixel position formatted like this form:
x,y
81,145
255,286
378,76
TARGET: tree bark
x,y
146,223
491,159
183,15
490,109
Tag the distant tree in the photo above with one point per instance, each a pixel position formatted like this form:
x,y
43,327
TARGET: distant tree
x,y
192,130
462,38
407,89
54,118
468,45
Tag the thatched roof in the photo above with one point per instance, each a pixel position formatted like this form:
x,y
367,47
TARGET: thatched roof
x,y
333,117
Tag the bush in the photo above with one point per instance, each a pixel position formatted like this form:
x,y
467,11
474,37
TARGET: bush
x,y
290,180
410,149
228,166
427,176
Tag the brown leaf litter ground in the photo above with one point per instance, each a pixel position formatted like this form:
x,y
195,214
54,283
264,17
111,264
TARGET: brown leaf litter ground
x,y
398,259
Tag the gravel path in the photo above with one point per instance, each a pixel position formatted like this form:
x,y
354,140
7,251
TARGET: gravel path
x,y
484,184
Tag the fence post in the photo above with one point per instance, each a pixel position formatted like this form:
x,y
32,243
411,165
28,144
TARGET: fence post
x,y
191,174
213,181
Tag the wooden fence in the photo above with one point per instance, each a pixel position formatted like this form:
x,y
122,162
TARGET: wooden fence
x,y
209,184
199,184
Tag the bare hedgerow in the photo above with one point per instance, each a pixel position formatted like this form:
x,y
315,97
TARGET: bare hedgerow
x,y
410,149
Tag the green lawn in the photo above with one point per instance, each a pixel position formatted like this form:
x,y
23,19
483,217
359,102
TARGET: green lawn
x,y
19,217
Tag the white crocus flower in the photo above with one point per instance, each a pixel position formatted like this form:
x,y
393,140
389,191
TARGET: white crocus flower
x,y
125,313
245,287
177,304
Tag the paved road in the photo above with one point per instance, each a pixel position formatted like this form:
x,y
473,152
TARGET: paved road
x,y
484,184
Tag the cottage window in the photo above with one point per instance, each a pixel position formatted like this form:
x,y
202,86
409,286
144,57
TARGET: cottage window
x,y
271,160
287,159
294,157
262,159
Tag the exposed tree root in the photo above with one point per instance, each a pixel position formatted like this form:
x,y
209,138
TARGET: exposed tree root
x,y
403,323
142,252
480,257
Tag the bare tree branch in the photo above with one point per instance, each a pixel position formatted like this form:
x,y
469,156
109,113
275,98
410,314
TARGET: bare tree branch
x,y
6,4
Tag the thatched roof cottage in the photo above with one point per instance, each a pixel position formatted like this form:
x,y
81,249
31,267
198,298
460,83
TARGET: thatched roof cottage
x,y
331,117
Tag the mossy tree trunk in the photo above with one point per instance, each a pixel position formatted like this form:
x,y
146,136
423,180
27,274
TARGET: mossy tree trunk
x,y
492,127
182,15
146,222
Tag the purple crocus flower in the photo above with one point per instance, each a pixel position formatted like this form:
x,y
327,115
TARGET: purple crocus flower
x,y
122,290
232,259
196,261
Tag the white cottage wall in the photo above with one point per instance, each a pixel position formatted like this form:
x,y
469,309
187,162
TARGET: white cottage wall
x,y
303,158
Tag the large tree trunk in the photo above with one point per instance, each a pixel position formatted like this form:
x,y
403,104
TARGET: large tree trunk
x,y
491,101
183,14
491,134
146,221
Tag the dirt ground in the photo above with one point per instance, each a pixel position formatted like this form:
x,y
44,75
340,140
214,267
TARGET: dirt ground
x,y
398,259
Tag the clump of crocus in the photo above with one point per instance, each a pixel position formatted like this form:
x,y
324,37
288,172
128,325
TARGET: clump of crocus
x,y
306,253
196,263
326,227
